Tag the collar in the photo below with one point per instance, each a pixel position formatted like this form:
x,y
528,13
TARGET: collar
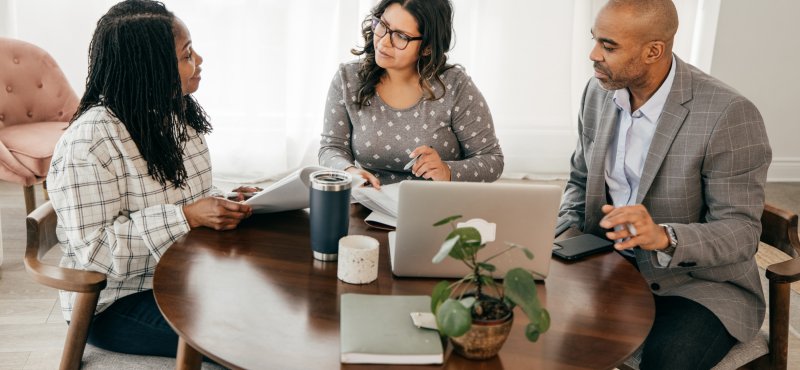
x,y
653,107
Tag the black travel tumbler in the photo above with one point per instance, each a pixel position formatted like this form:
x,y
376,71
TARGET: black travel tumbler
x,y
330,212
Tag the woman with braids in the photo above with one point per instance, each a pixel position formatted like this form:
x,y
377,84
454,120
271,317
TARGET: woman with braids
x,y
132,172
402,100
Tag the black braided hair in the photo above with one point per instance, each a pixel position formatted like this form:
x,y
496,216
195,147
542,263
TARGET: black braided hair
x,y
133,74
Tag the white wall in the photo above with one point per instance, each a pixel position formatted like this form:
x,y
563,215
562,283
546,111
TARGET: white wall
x,y
756,51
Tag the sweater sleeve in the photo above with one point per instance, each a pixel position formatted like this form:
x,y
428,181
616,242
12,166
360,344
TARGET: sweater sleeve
x,y
473,126
335,150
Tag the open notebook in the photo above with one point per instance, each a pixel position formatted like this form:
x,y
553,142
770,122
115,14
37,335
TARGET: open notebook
x,y
383,204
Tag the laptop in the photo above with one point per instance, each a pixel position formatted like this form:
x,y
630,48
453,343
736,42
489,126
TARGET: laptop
x,y
517,213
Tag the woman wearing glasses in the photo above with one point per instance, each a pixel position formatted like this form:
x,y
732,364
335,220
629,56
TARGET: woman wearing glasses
x,y
402,100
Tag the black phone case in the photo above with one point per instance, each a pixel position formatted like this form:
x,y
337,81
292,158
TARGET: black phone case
x,y
581,246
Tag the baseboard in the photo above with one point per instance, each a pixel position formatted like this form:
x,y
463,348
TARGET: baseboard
x,y
784,169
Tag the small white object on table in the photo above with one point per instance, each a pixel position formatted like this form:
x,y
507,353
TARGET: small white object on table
x,y
358,259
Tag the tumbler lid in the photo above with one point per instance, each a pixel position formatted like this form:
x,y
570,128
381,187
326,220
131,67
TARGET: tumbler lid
x,y
330,180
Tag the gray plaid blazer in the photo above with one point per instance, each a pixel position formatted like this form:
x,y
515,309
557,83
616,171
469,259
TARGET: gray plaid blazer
x,y
704,175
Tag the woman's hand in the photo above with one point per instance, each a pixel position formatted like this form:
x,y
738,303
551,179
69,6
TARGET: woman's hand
x,y
215,213
372,180
430,165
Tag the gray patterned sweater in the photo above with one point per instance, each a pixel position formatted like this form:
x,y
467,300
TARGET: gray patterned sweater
x,y
379,138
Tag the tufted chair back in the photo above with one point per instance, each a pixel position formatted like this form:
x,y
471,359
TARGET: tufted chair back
x,y
32,86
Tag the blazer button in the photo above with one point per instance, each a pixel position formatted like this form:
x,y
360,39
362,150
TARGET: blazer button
x,y
655,286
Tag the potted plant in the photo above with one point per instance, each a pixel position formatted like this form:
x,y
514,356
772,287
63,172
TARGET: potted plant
x,y
479,322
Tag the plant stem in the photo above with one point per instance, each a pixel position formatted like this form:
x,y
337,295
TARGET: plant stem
x,y
478,292
462,292
509,248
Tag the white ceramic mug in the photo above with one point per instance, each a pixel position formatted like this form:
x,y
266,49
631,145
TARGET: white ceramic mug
x,y
358,259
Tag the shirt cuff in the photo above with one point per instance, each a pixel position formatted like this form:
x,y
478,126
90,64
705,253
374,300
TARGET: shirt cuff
x,y
663,258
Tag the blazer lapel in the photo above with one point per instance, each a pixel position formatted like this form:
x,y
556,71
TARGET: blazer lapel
x,y
596,180
671,120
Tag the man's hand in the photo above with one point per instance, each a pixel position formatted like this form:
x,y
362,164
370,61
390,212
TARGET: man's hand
x,y
649,235
215,213
430,165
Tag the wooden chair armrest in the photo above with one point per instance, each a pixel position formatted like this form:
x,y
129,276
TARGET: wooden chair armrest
x,y
784,272
63,278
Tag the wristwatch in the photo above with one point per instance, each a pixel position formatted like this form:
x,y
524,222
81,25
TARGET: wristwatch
x,y
673,239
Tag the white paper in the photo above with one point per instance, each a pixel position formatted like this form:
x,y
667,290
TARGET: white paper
x,y
381,218
290,193
384,201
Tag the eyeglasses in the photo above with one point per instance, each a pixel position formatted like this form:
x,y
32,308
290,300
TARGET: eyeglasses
x,y
398,39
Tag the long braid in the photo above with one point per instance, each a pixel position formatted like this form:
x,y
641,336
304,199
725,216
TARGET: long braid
x,y
133,73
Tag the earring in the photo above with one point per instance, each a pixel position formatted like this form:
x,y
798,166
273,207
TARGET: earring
x,y
418,60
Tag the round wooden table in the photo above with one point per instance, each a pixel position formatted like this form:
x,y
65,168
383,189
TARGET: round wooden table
x,y
255,298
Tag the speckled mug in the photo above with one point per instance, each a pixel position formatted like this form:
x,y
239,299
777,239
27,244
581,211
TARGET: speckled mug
x,y
358,259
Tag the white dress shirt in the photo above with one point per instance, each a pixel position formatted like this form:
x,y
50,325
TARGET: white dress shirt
x,y
630,142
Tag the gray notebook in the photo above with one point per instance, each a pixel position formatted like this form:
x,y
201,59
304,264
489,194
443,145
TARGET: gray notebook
x,y
377,329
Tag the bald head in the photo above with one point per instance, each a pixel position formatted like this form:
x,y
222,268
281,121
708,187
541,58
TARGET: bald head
x,y
634,41
646,20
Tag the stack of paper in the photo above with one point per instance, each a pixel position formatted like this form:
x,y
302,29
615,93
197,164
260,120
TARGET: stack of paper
x,y
291,193
383,203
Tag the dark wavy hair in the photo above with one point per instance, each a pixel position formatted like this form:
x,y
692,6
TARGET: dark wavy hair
x,y
435,22
133,74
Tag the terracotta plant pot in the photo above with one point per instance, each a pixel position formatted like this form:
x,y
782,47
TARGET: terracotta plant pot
x,y
484,338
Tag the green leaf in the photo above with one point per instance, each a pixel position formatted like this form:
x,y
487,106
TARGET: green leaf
x,y
544,323
487,280
528,253
447,220
532,333
468,302
487,267
447,247
453,319
520,288
510,303
463,249
440,294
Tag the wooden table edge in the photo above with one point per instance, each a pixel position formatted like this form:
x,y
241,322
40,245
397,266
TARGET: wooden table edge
x,y
188,350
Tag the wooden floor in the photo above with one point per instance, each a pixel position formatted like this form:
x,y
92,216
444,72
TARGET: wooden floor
x,y
32,329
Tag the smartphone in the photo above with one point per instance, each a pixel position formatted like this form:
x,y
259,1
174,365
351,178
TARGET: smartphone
x,y
581,246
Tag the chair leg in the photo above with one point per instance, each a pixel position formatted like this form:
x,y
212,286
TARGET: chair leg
x,y
30,199
44,189
82,314
188,357
779,325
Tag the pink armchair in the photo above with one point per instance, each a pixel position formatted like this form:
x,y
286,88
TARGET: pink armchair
x,y
36,102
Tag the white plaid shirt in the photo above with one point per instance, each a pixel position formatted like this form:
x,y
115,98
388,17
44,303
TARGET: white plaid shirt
x,y
113,217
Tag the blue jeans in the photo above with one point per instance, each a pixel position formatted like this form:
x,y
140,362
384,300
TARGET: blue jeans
x,y
134,325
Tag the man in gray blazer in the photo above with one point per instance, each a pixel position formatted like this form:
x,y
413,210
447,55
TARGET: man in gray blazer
x,y
671,163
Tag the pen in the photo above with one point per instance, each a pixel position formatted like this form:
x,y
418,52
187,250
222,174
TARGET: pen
x,y
411,164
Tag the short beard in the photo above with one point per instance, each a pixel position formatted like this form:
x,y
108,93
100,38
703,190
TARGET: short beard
x,y
630,72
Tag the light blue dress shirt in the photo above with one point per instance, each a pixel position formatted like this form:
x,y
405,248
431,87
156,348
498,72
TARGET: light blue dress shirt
x,y
630,142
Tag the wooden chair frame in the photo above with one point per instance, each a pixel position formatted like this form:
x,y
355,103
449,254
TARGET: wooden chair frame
x,y
779,229
41,227
30,196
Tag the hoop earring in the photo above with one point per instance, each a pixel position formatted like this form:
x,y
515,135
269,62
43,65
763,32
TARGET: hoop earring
x,y
420,74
